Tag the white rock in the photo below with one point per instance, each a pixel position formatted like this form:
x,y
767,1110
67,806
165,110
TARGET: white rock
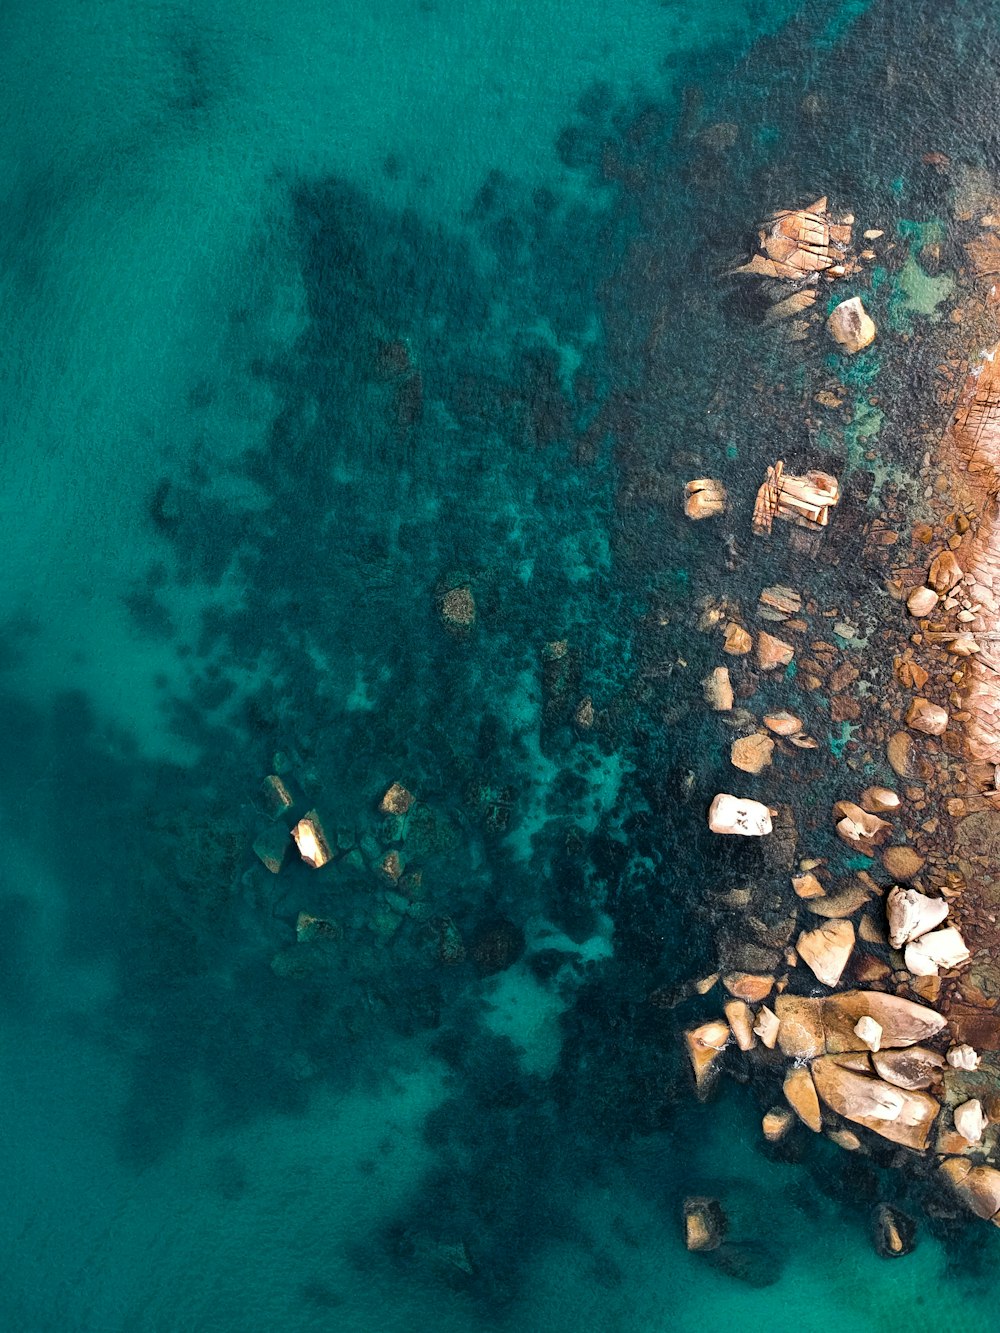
x,y
930,718
851,325
718,690
962,1057
940,949
735,814
970,1121
869,1031
921,601
767,1026
911,914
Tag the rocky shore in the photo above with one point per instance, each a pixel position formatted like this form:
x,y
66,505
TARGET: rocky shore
x,y
862,988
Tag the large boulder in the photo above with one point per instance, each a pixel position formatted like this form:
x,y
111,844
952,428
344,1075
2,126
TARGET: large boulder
x,y
851,325
827,949
977,1186
940,950
903,1022
705,1045
911,914
800,1093
912,1067
801,1034
894,1113
738,815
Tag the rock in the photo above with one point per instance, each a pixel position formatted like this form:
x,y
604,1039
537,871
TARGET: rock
x,y
705,984
752,754
704,498
800,1093
963,1057
718,690
921,601
740,1018
396,801
704,1224
271,847
748,986
807,886
858,828
970,1121
585,713
737,641
879,800
868,1031
827,949
783,723
962,645
737,815
977,1186
458,608
311,840
496,944
930,718
773,653
901,754
801,1031
277,798
912,1068
805,501
844,903
705,1044
892,1232
776,1123
766,1027
912,914
903,1022
898,1115
391,867
902,862
451,947
779,602
316,929
941,950
851,326
844,1138
911,674
945,572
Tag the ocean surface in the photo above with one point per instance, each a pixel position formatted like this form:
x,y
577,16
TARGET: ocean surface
x,y
313,313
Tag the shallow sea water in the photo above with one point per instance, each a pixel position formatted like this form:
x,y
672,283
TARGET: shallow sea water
x,y
314,312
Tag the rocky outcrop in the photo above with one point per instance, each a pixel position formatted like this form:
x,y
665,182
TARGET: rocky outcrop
x,y
804,501
795,243
978,1187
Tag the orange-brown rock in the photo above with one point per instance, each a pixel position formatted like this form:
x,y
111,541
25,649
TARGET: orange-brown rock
x,y
930,718
800,1093
914,1067
739,1016
773,653
704,498
776,1123
894,1113
826,950
977,1186
705,1045
737,641
945,572
801,1031
858,828
879,800
902,862
749,986
752,754
807,886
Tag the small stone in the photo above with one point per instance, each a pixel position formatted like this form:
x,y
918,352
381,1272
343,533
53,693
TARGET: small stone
x,y
277,798
930,718
851,326
767,1026
827,949
776,1123
902,862
705,1044
271,847
740,1018
945,572
737,641
869,1031
718,690
783,723
704,498
879,800
396,801
921,602
962,1057
859,828
752,754
704,1224
970,1121
773,653
800,1093
912,914
940,950
901,755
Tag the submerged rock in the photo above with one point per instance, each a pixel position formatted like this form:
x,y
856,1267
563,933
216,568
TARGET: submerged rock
x,y
776,1123
738,815
892,1232
718,690
751,754
458,608
396,801
851,326
737,641
705,1044
496,945
311,841
271,847
705,1224
773,653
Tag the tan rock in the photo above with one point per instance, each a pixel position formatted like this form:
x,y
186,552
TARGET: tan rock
x,y
868,1031
844,903
776,1123
930,718
458,607
912,914
938,951
704,984
844,1138
945,572
879,800
766,1026
718,690
272,847
902,862
913,1067
800,1093
773,653
396,801
752,754
858,828
921,602
902,756
801,1031
705,1045
903,1022
704,1224
311,840
807,886
740,1018
704,498
750,986
782,602
783,723
894,1113
962,645
737,641
851,326
827,949
977,1186
970,1120
738,815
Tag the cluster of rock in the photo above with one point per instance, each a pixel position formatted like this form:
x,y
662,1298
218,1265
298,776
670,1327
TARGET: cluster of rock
x,y
805,501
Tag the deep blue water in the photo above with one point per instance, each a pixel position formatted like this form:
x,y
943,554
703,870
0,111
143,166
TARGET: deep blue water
x,y
314,313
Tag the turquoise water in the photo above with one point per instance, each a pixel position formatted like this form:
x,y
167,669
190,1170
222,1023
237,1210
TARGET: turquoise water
x,y
312,313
